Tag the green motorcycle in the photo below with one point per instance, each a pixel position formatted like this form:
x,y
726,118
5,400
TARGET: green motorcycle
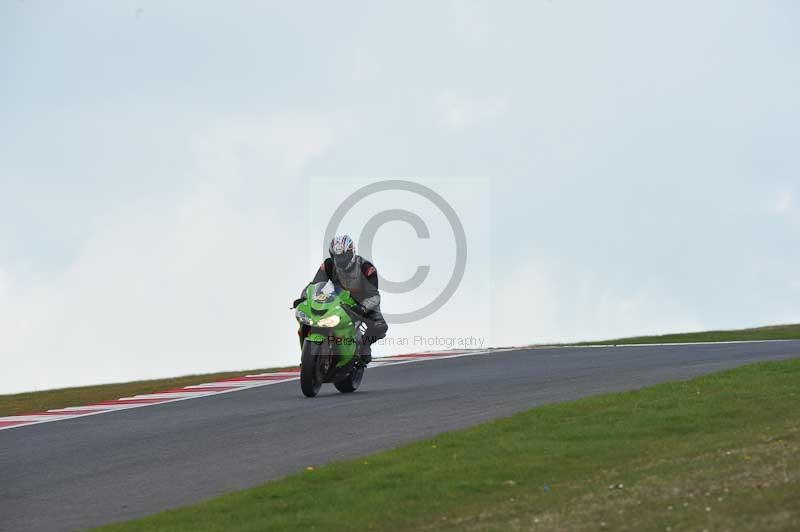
x,y
330,351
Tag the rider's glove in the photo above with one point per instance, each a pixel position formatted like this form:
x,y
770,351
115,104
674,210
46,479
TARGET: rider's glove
x,y
359,309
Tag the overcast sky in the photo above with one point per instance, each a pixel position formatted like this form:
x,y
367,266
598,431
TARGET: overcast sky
x,y
167,170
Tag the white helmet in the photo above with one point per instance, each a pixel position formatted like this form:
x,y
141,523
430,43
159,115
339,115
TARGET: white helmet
x,y
343,251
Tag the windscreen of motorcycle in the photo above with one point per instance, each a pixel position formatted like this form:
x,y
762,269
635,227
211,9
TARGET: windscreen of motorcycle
x,y
325,292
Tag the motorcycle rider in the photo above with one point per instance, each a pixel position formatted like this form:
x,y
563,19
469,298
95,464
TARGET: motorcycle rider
x,y
352,272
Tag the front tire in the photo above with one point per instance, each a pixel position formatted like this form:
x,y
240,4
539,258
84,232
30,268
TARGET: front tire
x,y
310,371
351,383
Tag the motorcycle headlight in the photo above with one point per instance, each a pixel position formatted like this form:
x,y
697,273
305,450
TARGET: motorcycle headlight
x,y
330,321
302,318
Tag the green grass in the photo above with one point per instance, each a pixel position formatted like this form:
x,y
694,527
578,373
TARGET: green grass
x,y
29,402
720,452
773,332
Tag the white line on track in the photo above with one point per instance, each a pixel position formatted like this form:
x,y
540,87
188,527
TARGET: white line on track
x,y
594,346
197,391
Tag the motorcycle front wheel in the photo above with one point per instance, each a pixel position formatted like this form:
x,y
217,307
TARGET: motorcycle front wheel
x,y
311,369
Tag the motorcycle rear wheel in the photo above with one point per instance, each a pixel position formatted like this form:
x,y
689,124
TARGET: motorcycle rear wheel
x,y
351,383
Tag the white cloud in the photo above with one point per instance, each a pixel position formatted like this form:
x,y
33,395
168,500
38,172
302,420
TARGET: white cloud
x,y
365,66
542,301
197,286
187,290
471,20
459,111
5,285
283,144
785,202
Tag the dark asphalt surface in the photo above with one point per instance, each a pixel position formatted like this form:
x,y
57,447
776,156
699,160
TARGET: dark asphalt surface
x,y
95,470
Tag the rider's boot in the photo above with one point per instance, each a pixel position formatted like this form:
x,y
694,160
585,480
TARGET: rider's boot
x,y
365,352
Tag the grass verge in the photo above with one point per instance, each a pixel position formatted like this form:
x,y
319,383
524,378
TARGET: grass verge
x,y
720,452
772,332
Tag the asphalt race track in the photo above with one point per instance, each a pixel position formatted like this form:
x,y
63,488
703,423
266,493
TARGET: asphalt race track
x,y
94,470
